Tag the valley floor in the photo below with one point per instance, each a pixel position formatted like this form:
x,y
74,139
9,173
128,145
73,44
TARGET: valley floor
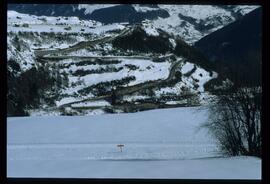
x,y
163,143
209,168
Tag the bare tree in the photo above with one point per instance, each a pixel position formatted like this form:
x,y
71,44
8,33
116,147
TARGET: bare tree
x,y
235,120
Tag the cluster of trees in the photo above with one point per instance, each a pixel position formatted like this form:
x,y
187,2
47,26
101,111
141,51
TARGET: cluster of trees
x,y
82,72
189,52
141,42
235,120
95,62
28,90
131,67
104,88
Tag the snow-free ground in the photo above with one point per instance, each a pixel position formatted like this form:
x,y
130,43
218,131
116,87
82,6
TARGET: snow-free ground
x,y
164,143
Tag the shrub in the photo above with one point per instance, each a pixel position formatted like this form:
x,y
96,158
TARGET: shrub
x,y
104,88
25,25
67,28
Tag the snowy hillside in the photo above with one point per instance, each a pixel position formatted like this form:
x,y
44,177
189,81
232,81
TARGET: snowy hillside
x,y
157,144
190,22
89,8
31,23
89,64
147,64
30,32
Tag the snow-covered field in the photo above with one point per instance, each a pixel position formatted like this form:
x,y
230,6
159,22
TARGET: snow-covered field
x,y
148,71
165,143
31,23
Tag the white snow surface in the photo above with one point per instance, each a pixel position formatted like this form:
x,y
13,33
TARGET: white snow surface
x,y
150,30
202,76
140,8
65,101
171,24
172,102
21,18
244,9
187,67
89,8
131,98
53,24
165,143
197,78
148,71
173,43
208,13
99,103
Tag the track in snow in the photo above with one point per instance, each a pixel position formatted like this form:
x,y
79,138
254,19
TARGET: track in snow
x,y
110,151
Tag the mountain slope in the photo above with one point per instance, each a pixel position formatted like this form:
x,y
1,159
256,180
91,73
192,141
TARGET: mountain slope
x,y
190,22
95,71
91,67
126,13
238,46
110,13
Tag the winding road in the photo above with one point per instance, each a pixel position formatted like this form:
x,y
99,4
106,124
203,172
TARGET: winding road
x,y
46,56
